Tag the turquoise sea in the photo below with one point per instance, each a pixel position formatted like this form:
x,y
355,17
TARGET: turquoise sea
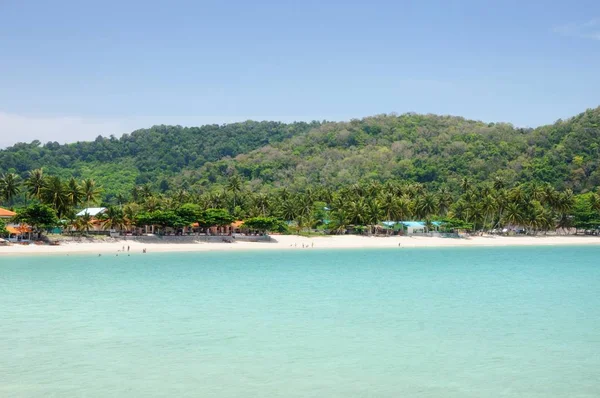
x,y
460,322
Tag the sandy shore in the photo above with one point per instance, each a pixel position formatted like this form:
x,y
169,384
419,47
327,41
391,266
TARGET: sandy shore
x,y
292,242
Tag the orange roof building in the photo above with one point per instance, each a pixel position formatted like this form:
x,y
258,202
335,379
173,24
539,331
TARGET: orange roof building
x,y
4,213
21,229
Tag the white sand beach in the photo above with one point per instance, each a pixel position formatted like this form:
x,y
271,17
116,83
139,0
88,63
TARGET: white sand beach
x,y
293,242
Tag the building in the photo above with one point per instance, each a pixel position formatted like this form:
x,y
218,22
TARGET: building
x,y
6,215
16,232
410,227
91,211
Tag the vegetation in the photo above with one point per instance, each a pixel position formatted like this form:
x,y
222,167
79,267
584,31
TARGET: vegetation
x,y
3,230
335,177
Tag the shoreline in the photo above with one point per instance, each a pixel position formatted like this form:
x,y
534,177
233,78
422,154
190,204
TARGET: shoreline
x,y
295,242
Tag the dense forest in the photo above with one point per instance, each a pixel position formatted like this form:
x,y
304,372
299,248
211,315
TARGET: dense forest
x,y
330,176
431,150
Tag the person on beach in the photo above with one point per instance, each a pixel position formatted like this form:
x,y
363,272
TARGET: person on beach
x,y
127,248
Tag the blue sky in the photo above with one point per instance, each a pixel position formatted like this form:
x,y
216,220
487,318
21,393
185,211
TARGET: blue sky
x,y
70,70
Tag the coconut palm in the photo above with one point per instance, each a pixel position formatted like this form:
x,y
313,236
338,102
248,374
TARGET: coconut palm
x,y
488,208
465,184
113,218
55,194
389,205
84,223
10,186
356,211
234,186
499,183
373,213
425,206
90,191
339,221
512,214
595,202
35,183
261,202
74,192
444,200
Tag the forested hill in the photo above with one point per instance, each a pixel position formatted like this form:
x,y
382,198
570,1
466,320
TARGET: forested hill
x,y
429,149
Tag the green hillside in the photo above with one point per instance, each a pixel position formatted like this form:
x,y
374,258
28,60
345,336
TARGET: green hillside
x,y
427,149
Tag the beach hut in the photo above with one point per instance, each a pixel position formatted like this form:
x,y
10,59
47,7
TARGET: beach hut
x,y
19,233
414,227
6,214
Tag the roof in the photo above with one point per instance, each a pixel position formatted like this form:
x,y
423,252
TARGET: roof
x,y
237,224
92,211
413,224
5,213
418,224
21,229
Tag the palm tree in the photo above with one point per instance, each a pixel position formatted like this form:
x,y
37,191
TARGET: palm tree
x,y
121,199
234,185
465,184
84,223
90,191
152,204
499,183
55,194
113,218
550,197
373,213
35,183
595,202
425,206
403,208
74,192
339,221
389,205
289,209
444,200
356,211
488,207
9,186
261,202
130,210
513,215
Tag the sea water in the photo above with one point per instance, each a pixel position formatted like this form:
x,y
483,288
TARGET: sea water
x,y
460,322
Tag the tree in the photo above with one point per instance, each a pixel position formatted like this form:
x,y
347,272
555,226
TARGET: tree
x,y
217,217
113,218
3,231
54,193
84,223
90,191
425,206
513,215
265,224
234,185
35,183
9,186
74,192
38,216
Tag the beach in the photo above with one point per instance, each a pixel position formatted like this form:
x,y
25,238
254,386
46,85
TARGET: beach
x,y
294,242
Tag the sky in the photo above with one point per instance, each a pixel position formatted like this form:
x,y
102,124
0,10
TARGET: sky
x,y
73,70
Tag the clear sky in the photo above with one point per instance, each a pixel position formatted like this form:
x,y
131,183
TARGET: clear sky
x,y
70,70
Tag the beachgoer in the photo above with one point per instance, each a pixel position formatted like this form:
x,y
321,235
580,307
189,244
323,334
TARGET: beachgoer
x,y
127,249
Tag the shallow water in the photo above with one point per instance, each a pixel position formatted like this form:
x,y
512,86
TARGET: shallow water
x,y
461,322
